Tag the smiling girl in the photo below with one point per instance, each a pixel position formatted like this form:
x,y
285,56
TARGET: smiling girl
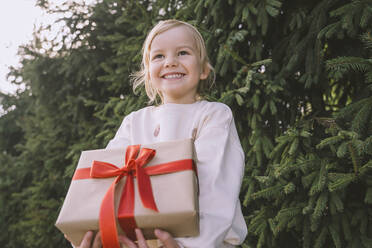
x,y
176,68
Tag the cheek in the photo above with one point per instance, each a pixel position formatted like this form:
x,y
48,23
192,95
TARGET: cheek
x,y
154,68
152,72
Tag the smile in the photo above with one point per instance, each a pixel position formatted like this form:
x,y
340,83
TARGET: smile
x,y
173,75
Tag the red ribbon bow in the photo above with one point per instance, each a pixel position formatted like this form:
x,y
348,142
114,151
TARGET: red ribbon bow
x,y
134,166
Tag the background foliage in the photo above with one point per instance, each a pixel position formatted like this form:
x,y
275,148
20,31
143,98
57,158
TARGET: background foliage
x,y
297,75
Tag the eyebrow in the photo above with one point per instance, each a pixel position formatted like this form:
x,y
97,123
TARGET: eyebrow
x,y
177,48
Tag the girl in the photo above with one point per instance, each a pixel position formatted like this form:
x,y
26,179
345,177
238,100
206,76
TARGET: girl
x,y
175,67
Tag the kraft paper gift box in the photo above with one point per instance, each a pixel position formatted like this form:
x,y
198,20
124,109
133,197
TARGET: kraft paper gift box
x,y
98,201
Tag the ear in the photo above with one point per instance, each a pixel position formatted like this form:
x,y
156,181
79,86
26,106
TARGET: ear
x,y
205,72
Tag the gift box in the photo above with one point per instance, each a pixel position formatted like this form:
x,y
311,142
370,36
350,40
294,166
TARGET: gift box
x,y
145,186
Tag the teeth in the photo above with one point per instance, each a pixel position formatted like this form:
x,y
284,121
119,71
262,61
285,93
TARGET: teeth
x,y
176,75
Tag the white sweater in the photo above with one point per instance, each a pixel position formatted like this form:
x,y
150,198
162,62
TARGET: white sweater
x,y
220,162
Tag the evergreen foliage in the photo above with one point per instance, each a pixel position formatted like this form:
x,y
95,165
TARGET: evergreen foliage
x,y
297,75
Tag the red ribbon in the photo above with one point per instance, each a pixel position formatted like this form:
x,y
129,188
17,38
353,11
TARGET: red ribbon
x,y
134,166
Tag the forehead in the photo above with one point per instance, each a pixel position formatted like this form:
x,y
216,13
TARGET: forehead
x,y
174,37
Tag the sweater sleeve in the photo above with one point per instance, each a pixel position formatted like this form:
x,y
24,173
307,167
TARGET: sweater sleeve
x,y
220,163
123,135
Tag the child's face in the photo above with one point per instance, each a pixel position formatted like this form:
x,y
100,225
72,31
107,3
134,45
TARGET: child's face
x,y
175,67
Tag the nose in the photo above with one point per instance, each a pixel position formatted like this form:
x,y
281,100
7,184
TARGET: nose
x,y
171,61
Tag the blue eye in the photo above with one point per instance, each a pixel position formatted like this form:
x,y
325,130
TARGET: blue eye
x,y
183,53
158,56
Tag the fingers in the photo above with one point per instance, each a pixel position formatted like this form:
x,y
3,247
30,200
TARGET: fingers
x,y
87,240
141,239
126,241
163,236
166,239
97,241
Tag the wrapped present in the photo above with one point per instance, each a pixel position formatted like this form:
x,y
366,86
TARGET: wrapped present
x,y
116,190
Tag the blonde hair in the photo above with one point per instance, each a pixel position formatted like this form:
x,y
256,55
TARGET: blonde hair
x,y
143,75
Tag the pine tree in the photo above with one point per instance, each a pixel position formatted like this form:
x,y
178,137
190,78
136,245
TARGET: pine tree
x,y
314,191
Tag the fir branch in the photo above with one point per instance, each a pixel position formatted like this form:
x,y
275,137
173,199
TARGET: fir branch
x,y
320,240
336,201
342,150
319,184
345,64
366,168
248,195
310,206
286,215
361,120
268,192
368,196
320,206
308,179
353,157
329,141
367,40
346,227
350,110
342,182
334,231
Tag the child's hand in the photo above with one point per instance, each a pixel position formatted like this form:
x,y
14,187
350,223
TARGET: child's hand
x,y
164,237
87,240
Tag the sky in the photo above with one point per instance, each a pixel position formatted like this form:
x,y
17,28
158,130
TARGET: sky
x,y
18,19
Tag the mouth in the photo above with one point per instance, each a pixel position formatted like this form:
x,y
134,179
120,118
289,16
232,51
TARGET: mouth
x,y
173,75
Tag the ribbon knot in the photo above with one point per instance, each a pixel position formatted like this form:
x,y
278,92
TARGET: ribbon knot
x,y
130,167
131,164
135,160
